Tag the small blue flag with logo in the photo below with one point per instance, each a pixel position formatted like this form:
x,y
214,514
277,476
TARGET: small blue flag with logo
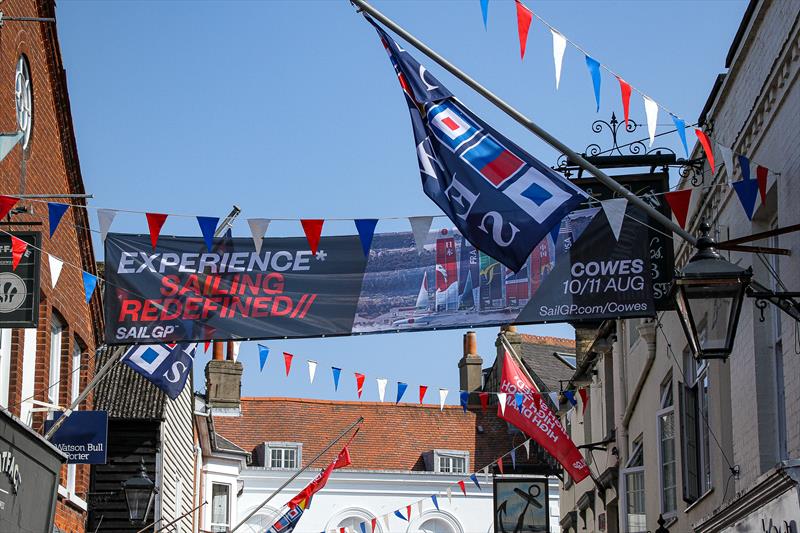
x,y
501,199
288,521
167,366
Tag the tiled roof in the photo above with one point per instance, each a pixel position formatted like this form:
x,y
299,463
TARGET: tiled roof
x,y
126,394
537,355
392,437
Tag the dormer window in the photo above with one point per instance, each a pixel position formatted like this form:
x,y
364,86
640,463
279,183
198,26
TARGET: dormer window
x,y
283,455
450,461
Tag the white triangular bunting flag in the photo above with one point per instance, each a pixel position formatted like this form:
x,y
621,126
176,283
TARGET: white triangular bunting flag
x,y
442,398
235,345
8,142
420,227
501,398
312,370
386,521
527,445
615,213
381,387
651,111
554,398
105,217
486,473
55,269
419,508
559,45
449,496
727,158
258,228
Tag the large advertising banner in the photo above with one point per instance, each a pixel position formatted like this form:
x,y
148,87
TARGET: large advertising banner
x,y
183,292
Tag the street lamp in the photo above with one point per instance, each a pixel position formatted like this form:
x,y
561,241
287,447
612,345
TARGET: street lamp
x,y
709,294
139,494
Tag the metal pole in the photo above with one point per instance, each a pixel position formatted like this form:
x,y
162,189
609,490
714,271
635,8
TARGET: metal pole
x,y
228,221
286,483
168,524
34,196
98,377
527,123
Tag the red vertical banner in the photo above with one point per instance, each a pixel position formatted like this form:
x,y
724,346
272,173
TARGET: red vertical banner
x,y
446,273
539,422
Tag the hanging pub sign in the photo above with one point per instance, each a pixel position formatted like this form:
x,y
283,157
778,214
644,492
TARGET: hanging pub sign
x,y
82,437
19,287
651,189
181,291
521,505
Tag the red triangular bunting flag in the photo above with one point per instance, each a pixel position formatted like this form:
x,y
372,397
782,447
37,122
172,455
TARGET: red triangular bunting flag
x,y
205,346
155,221
6,204
287,361
408,512
422,390
625,89
761,177
359,383
312,229
524,17
706,147
463,488
679,203
584,394
18,247
500,465
484,397
374,523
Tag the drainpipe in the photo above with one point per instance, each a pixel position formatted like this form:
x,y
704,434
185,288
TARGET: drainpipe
x,y
647,331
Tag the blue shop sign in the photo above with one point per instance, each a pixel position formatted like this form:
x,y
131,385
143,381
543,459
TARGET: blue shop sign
x,y
83,436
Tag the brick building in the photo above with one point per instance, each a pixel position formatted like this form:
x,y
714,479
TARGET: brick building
x,y
53,362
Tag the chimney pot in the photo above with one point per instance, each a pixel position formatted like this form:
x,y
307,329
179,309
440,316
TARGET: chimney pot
x,y
470,343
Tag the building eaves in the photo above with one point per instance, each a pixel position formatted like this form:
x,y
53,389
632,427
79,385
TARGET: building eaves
x,y
125,393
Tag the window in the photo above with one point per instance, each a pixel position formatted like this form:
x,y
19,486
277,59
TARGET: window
x,y
450,461
54,383
75,390
23,98
776,341
287,455
633,477
695,433
666,443
220,507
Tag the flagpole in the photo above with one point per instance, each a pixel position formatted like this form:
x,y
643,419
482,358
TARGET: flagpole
x,y
527,123
296,474
98,377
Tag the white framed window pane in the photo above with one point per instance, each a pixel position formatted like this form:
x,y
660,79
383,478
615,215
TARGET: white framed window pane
x,y
220,513
75,369
668,468
636,517
56,330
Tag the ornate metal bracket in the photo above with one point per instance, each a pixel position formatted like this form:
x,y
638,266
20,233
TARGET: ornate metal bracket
x,y
785,301
692,169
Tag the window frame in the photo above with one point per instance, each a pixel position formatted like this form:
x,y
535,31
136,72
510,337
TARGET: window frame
x,y
75,390
297,447
227,524
452,455
637,449
667,387
57,329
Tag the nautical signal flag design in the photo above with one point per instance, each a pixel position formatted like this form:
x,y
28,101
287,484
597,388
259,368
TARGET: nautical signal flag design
x,y
501,199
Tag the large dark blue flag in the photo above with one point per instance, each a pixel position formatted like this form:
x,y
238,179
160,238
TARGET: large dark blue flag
x,y
502,199
167,366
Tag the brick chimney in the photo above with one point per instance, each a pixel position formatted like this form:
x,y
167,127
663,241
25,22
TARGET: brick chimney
x,y
470,367
223,379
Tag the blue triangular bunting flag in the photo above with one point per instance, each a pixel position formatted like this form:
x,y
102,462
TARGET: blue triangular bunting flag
x,y
747,191
435,501
519,397
680,126
570,396
89,284
464,399
366,230
55,211
363,527
514,458
744,164
594,70
399,515
485,13
208,226
336,373
263,353
474,479
401,389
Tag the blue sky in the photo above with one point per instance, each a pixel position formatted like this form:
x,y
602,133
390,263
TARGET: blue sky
x,y
291,110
